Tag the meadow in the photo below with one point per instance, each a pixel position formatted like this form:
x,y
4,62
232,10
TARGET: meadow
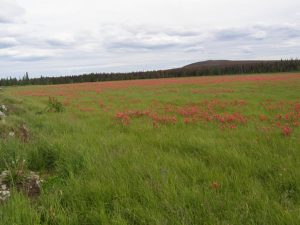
x,y
200,150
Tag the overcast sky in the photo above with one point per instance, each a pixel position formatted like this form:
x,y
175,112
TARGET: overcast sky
x,y
60,37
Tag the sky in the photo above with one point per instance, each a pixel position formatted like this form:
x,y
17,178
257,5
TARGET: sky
x,y
55,37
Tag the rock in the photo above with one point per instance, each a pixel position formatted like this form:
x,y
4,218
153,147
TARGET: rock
x,y
4,191
4,195
2,114
24,133
4,176
32,185
3,108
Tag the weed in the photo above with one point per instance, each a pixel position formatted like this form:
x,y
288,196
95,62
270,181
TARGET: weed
x,y
54,105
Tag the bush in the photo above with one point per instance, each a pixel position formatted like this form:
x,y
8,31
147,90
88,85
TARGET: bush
x,y
54,105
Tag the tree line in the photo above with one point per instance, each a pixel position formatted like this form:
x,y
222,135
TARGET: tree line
x,y
289,65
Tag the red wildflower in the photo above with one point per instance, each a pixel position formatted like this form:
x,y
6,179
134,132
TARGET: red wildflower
x,y
262,117
187,120
287,116
232,126
123,118
215,185
278,117
155,124
286,131
188,111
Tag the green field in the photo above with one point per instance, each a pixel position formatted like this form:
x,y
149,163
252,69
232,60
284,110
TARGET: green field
x,y
205,150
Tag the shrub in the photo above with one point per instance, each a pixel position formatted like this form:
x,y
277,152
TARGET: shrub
x,y
54,105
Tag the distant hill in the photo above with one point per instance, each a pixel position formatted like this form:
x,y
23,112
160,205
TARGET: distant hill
x,y
205,68
224,63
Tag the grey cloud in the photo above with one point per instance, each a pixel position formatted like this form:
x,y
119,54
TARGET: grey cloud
x,y
5,45
24,54
175,32
57,43
7,42
124,38
231,34
194,48
139,45
246,49
136,40
10,12
15,57
258,33
29,58
183,33
4,19
244,33
285,31
54,43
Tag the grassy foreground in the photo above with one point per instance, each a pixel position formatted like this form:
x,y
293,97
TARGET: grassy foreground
x,y
223,151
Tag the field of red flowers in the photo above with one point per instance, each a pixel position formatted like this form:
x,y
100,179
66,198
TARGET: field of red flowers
x,y
283,115
98,87
198,150
217,100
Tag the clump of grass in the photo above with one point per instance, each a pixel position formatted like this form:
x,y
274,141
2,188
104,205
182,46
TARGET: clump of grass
x,y
16,172
44,157
54,105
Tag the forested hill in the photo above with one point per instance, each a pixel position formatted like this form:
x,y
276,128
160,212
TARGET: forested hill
x,y
223,63
211,67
